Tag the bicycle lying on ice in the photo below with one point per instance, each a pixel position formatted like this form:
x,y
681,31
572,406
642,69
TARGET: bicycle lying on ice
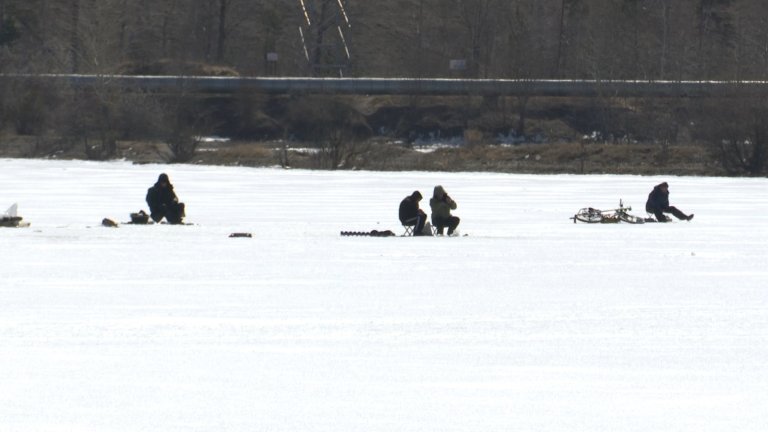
x,y
620,214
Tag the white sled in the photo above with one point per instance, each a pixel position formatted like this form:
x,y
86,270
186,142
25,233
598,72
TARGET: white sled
x,y
11,218
12,211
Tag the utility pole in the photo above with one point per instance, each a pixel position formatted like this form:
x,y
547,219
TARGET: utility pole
x,y
325,36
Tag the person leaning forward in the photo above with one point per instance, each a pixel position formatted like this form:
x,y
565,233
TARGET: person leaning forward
x,y
411,215
441,205
163,202
658,204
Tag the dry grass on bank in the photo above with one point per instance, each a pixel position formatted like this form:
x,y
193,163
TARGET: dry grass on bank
x,y
562,157
574,158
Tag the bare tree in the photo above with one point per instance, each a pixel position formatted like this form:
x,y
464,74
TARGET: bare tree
x,y
665,8
8,30
739,134
335,128
715,33
571,12
479,18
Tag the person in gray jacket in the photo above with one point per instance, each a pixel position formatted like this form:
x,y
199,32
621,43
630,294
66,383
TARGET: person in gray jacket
x,y
442,204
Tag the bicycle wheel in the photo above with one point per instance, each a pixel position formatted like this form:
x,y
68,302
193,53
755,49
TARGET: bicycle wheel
x,y
628,218
588,215
610,218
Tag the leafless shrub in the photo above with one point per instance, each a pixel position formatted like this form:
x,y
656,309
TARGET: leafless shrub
x,y
187,120
337,130
746,156
86,119
98,117
29,104
738,133
473,136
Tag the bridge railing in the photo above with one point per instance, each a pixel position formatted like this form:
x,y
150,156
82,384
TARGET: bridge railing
x,y
408,86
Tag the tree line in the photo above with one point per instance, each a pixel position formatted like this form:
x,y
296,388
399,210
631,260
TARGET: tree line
x,y
598,39
516,39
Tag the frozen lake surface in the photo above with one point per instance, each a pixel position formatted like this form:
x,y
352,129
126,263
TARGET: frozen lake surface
x,y
528,323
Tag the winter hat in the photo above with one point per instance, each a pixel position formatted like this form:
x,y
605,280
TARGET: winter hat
x,y
163,178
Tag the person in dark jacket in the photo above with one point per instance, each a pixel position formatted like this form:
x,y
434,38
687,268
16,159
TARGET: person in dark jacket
x,y
658,204
411,215
441,205
163,202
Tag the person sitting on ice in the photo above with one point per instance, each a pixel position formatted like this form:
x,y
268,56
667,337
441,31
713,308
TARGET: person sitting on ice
x,y
163,202
411,215
658,204
441,205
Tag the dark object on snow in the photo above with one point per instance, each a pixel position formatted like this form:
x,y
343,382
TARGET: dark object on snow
x,y
10,221
109,223
372,233
658,204
239,235
163,202
140,218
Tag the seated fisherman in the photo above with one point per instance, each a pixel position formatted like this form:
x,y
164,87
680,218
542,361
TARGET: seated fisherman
x,y
411,214
163,202
658,204
441,205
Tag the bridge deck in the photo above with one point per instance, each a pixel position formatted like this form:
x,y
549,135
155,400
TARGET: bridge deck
x,y
406,86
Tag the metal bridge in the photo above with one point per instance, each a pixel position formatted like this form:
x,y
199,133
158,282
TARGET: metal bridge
x,y
405,86
325,34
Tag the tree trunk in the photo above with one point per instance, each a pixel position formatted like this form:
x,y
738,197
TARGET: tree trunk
x,y
560,40
664,38
74,41
222,35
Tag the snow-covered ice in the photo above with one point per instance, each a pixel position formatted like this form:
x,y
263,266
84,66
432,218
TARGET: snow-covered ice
x,y
528,323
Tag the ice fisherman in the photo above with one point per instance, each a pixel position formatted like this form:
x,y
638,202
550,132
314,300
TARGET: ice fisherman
x,y
658,204
441,205
163,202
411,215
